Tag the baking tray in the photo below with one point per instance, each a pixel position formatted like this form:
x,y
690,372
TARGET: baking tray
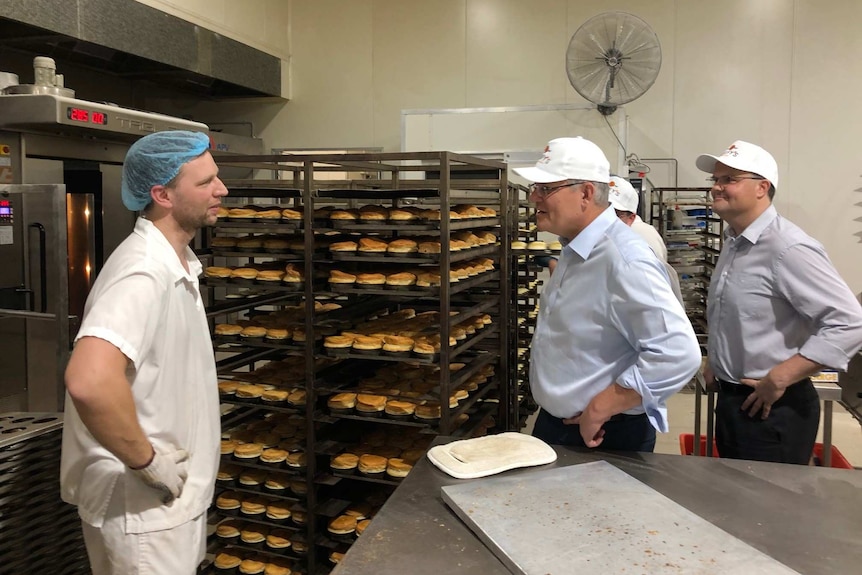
x,y
595,518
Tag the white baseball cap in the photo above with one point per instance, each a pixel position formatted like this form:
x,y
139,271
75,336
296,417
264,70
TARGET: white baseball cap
x,y
743,156
622,195
569,159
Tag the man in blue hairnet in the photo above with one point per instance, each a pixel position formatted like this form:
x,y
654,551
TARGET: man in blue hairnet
x,y
141,433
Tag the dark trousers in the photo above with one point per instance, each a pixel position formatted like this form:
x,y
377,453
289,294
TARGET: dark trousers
x,y
622,432
786,436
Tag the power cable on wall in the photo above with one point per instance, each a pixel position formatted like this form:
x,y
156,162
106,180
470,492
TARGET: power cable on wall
x,y
631,159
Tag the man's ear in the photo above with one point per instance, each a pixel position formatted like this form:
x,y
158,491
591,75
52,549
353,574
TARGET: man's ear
x,y
161,196
763,188
589,192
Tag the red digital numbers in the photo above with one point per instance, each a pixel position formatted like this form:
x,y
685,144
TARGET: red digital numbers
x,y
86,116
78,115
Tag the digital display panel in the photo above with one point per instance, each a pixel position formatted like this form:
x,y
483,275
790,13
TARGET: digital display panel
x,y
86,116
78,114
5,211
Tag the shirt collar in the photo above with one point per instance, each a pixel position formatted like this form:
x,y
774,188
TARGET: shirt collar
x,y
154,237
584,242
754,230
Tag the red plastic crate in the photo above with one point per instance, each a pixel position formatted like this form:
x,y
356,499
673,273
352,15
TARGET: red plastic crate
x,y
686,447
838,459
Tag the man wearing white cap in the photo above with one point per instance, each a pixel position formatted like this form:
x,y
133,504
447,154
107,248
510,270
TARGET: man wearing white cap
x,y
612,343
624,199
778,312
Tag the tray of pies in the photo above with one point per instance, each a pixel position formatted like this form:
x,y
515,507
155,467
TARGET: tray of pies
x,y
538,248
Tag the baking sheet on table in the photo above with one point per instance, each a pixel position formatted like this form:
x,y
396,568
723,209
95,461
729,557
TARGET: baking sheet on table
x,y
595,518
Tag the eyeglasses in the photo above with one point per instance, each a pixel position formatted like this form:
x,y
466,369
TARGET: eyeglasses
x,y
722,181
544,192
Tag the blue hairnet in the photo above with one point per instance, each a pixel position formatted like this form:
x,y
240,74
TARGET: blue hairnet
x,y
155,160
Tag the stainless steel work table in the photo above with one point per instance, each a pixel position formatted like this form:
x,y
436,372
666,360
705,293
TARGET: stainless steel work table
x,y
809,518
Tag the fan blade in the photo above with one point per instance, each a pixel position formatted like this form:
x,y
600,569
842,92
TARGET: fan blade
x,y
613,58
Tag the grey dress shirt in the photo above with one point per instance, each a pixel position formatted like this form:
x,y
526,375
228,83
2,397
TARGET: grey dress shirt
x,y
775,293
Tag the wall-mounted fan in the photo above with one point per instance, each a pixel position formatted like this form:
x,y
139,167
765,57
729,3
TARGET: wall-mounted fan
x,y
612,59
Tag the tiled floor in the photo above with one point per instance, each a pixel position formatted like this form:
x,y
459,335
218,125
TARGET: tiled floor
x,y
846,431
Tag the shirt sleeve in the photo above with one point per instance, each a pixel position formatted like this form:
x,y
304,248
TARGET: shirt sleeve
x,y
123,313
806,278
648,315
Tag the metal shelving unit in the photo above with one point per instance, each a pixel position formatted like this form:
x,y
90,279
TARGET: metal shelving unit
x,y
525,302
311,186
693,236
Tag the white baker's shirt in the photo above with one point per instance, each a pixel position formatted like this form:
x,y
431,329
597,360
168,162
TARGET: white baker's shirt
x,y
150,308
608,315
651,236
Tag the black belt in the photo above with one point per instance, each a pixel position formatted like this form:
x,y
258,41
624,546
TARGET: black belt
x,y
617,417
624,416
742,389
733,388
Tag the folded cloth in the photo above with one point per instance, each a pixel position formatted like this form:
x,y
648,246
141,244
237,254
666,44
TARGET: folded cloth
x,y
491,454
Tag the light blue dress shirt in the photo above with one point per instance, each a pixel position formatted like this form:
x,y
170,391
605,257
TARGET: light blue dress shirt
x,y
608,315
773,294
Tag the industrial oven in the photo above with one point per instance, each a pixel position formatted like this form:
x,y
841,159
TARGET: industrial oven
x,y
61,215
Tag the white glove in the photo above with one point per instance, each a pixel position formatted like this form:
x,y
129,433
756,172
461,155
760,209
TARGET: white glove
x,y
166,473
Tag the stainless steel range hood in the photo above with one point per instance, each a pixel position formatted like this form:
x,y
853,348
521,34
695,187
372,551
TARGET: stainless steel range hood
x,y
131,40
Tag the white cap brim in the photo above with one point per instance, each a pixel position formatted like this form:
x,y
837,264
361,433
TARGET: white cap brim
x,y
706,163
538,175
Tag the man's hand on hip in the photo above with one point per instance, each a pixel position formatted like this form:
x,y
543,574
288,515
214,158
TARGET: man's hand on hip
x,y
766,392
590,427
166,473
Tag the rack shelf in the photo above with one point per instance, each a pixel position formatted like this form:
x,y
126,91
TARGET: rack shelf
x,y
435,181
670,210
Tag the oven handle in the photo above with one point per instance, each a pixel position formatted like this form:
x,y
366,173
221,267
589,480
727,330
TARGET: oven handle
x,y
43,268
4,313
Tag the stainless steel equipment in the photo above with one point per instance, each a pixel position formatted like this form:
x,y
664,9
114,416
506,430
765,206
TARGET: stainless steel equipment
x,y
595,518
34,289
807,518
55,237
36,110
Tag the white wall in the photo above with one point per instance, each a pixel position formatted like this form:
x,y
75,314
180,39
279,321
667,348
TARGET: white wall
x,y
780,73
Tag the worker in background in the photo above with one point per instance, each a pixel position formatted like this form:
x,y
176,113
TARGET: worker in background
x,y
624,199
612,343
778,312
141,434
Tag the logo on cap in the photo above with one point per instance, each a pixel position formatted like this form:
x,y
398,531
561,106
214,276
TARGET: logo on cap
x,y
731,151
